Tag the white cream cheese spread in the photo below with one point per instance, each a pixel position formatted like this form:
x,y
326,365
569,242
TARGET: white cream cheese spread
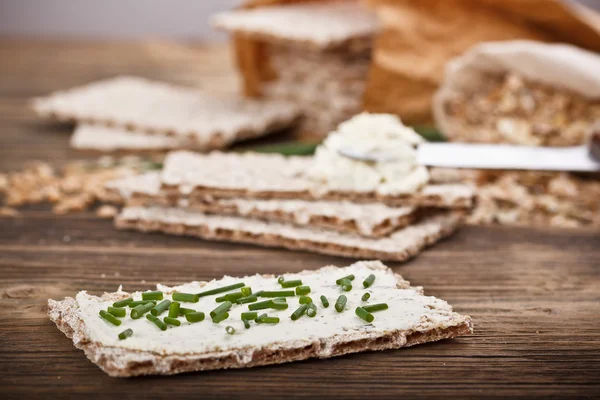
x,y
370,134
409,310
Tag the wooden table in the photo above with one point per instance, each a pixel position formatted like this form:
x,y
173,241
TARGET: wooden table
x,y
534,294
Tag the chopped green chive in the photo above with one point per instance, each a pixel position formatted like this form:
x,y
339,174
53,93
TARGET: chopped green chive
x,y
172,321
369,281
265,319
222,289
139,311
110,318
230,330
278,305
262,305
304,300
222,309
324,301
365,296
346,285
174,309
125,334
155,295
185,311
195,316
249,299
280,279
246,323
341,303
156,321
123,303
289,284
246,291
302,290
160,307
220,317
299,312
136,303
280,300
364,314
230,297
249,315
186,297
278,293
117,312
311,311
375,307
349,277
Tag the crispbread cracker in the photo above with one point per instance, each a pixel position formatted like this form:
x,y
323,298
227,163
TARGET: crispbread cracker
x,y
438,322
325,25
399,246
159,108
370,220
272,176
103,138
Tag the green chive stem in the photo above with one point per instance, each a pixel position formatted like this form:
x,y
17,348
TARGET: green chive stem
x,y
155,295
304,300
223,289
174,309
195,316
249,315
278,293
375,307
369,281
230,329
299,312
364,314
125,334
139,311
311,311
110,318
160,307
221,309
117,312
122,303
349,277
186,297
263,305
324,301
290,284
156,321
302,290
246,291
220,317
136,303
233,297
346,285
246,323
250,299
172,321
185,311
264,319
341,303
280,279
365,296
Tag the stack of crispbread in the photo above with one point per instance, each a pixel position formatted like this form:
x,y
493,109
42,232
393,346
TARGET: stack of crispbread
x,y
314,54
272,200
134,114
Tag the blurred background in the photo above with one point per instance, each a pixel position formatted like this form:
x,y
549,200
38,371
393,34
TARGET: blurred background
x,y
111,19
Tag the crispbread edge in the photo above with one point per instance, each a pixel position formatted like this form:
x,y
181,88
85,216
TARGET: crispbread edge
x,y
119,362
451,223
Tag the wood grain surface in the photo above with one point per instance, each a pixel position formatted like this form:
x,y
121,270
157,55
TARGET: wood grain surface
x,y
534,294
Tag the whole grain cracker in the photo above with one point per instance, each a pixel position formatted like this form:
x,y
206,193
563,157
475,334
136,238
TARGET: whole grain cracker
x,y
118,362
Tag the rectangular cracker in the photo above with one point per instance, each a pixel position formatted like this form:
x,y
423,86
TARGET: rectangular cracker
x,y
370,220
399,246
103,138
151,107
321,25
272,176
412,319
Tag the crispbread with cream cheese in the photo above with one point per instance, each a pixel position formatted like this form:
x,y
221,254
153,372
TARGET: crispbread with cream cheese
x,y
321,25
399,246
159,108
412,318
272,176
370,220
